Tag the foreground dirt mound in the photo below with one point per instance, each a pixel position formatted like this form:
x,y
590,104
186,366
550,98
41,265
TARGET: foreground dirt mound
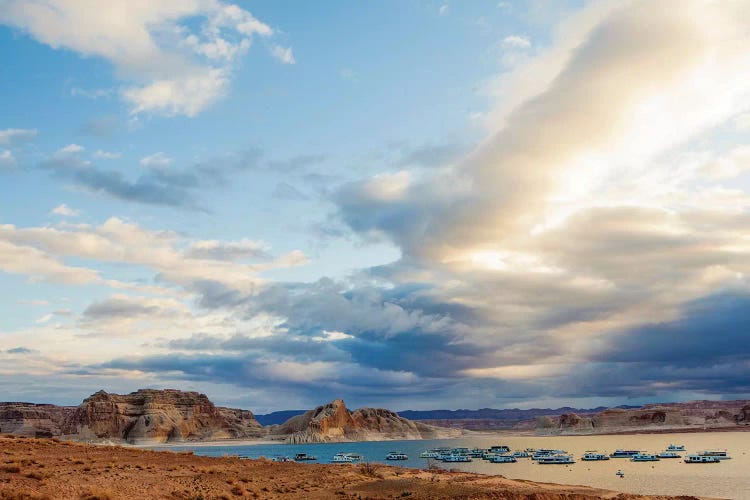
x,y
45,469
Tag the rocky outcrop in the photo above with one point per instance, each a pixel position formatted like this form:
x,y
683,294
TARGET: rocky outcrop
x,y
30,419
158,416
334,422
664,417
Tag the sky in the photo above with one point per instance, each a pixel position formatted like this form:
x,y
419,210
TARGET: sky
x,y
410,204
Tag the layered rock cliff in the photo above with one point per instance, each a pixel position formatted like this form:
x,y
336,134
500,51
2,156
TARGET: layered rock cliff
x,y
34,420
158,415
334,422
656,417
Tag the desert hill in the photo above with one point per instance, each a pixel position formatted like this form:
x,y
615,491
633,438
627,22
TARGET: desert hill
x,y
334,422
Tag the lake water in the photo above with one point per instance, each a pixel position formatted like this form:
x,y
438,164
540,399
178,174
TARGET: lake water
x,y
727,479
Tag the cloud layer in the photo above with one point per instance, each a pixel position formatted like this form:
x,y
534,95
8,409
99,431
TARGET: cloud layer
x,y
176,57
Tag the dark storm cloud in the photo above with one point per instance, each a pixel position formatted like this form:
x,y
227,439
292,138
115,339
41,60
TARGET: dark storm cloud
x,y
711,331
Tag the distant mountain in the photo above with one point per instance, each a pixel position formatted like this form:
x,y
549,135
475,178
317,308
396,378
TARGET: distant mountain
x,y
513,414
277,417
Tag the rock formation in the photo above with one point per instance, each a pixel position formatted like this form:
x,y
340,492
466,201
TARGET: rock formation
x,y
30,419
334,422
671,416
158,415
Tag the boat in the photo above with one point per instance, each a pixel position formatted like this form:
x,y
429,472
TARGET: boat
x,y
676,447
304,457
669,454
396,455
521,454
460,451
477,452
702,459
623,453
620,473
538,454
503,459
591,456
644,457
456,458
343,458
499,449
281,459
720,454
429,454
556,459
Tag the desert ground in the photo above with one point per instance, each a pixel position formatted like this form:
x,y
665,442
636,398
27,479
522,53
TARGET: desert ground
x,y
33,468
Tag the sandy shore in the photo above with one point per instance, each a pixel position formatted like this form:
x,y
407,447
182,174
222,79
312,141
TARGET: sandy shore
x,y
37,469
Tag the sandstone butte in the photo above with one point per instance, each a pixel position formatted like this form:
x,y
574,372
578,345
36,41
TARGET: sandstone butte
x,y
669,417
45,469
173,416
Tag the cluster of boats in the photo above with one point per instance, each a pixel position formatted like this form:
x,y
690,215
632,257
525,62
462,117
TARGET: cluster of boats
x,y
503,454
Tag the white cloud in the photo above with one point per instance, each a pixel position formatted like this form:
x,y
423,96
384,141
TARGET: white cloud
x,y
7,159
283,54
443,9
156,160
516,42
174,57
107,155
65,211
70,149
742,122
13,135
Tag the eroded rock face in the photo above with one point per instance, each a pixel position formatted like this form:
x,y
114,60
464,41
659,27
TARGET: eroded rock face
x,y
158,415
334,422
30,419
573,421
671,416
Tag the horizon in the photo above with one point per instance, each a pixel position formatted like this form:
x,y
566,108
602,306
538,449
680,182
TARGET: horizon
x,y
414,205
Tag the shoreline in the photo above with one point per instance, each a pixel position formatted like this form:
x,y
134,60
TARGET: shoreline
x,y
466,434
49,468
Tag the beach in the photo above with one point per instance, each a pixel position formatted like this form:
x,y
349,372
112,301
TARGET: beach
x,y
40,469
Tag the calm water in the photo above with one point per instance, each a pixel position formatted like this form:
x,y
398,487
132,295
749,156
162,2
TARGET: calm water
x,y
728,479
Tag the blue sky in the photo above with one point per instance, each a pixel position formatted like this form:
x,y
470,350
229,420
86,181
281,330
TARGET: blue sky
x,y
410,204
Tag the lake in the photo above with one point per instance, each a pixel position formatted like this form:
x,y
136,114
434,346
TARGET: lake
x,y
727,479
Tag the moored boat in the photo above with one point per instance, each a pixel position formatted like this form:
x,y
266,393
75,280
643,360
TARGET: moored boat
x,y
669,454
396,455
521,454
720,454
499,449
591,456
644,457
624,453
701,459
556,459
676,447
503,459
304,457
429,454
344,458
456,458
